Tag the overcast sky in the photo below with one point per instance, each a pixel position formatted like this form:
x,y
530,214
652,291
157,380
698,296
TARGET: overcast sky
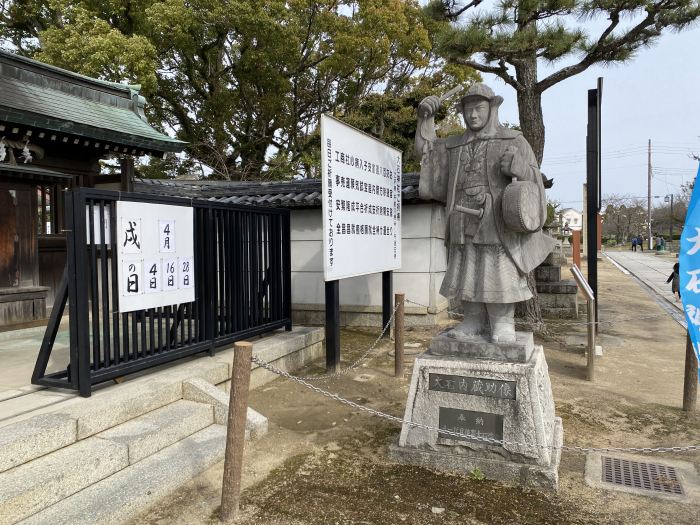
x,y
655,96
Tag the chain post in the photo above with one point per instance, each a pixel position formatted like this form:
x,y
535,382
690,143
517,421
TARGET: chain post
x,y
235,435
690,380
399,300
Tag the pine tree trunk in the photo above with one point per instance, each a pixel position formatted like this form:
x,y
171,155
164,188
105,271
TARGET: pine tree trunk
x,y
530,107
532,126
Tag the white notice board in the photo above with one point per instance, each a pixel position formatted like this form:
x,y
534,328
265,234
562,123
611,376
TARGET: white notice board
x,y
361,202
155,254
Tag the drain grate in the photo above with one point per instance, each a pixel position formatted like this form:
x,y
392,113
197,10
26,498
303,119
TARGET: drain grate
x,y
640,475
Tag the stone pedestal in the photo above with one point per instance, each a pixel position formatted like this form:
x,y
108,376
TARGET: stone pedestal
x,y
505,397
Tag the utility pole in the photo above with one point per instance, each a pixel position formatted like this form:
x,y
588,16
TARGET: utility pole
x,y
649,195
670,230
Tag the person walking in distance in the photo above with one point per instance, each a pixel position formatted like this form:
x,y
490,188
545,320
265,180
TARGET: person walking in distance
x,y
675,280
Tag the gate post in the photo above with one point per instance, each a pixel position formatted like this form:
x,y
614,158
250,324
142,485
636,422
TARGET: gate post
x,y
287,267
77,292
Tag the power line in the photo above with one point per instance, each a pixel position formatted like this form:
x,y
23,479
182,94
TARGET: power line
x,y
661,150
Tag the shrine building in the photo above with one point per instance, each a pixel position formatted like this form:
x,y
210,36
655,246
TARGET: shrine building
x,y
55,126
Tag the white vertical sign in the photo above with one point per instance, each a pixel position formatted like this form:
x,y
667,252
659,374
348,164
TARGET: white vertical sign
x,y
97,226
361,202
155,249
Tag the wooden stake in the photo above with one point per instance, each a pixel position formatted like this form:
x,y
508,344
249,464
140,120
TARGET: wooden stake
x,y
690,381
235,435
398,334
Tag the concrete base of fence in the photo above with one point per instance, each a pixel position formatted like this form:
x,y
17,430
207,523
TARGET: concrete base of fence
x,y
151,434
315,314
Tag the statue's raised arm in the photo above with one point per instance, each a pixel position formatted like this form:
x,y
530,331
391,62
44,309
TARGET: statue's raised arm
x,y
425,130
431,150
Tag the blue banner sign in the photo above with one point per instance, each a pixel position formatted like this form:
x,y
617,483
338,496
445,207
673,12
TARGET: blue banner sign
x,y
689,261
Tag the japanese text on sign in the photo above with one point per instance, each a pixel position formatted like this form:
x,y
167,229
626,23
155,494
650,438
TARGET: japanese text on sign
x,y
361,202
477,424
155,247
472,386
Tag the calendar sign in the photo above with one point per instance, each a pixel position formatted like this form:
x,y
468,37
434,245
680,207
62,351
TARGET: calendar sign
x,y
155,249
152,275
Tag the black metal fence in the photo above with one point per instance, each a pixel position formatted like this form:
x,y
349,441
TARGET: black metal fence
x,y
242,288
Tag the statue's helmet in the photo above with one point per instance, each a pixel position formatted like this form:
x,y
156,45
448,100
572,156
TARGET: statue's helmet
x,y
480,90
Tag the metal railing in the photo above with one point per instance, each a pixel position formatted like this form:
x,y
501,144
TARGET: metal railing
x,y
242,288
590,306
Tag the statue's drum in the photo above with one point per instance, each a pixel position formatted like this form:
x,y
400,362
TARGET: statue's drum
x,y
522,212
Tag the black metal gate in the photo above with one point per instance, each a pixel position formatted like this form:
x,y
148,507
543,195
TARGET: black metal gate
x,y
242,287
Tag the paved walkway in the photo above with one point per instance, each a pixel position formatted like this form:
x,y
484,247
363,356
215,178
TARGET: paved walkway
x,y
652,269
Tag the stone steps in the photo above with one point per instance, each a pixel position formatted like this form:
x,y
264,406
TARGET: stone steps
x,y
32,487
35,437
125,494
106,458
35,485
62,470
160,428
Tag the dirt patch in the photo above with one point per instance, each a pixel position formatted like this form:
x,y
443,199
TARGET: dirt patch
x,y
355,486
326,463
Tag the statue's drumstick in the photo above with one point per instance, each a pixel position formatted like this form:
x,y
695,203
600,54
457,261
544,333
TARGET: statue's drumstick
x,y
451,93
470,211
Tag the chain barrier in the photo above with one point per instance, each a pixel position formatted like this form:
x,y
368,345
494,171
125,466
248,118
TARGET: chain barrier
x,y
563,323
444,432
356,363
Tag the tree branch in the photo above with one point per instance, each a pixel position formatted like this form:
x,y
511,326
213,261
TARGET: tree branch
x,y
452,15
500,71
601,47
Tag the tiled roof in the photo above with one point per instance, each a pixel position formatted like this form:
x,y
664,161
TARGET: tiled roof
x,y
24,170
289,194
38,95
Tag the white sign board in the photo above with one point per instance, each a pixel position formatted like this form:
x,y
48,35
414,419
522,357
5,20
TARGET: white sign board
x,y
155,250
361,202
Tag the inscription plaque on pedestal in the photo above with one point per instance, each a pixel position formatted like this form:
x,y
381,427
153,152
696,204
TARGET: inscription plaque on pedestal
x,y
475,386
479,424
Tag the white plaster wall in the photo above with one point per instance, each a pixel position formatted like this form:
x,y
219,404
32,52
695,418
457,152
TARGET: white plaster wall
x,y
573,217
423,262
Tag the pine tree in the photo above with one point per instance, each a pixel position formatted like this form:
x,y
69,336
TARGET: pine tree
x,y
510,39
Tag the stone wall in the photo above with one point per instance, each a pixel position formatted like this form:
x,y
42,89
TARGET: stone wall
x,y
423,266
558,297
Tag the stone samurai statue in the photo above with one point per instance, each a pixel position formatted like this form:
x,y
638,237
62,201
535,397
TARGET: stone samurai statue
x,y
491,185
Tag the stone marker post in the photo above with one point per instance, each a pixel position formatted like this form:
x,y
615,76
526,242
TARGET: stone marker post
x,y
235,435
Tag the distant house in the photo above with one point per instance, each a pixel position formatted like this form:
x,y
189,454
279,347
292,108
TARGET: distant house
x,y
571,217
423,252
